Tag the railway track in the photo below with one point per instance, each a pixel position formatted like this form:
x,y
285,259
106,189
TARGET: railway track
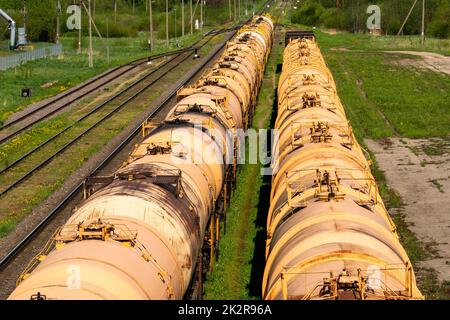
x,y
24,120
75,195
29,245
103,111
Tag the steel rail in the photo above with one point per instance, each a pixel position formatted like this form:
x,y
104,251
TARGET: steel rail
x,y
20,245
5,260
90,128
133,64
97,108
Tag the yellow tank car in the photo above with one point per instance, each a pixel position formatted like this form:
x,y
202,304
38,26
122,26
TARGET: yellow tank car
x,y
329,235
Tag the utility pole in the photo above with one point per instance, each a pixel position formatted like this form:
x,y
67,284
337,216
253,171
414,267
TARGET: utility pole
x,y
115,10
167,22
25,14
229,8
79,33
201,15
151,23
58,13
239,9
175,23
92,23
407,17
357,15
182,18
423,22
190,8
107,40
91,58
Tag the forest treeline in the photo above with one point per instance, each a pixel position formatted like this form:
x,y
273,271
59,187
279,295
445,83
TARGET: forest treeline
x,y
130,18
352,16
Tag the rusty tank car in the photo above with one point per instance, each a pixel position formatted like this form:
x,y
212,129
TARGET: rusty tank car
x,y
140,234
329,235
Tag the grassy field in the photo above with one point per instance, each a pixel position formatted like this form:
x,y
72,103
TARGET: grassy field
x,y
378,104
388,43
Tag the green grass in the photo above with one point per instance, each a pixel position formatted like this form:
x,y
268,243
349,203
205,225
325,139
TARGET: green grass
x,y
384,100
21,144
437,148
232,273
389,43
432,287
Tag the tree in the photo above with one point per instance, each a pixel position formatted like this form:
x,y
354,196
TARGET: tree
x,y
440,24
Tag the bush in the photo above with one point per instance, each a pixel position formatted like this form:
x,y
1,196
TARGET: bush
x,y
141,24
439,29
162,29
333,18
313,14
391,24
309,13
117,29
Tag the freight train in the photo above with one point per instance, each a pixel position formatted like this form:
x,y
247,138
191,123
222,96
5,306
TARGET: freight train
x,y
329,235
140,233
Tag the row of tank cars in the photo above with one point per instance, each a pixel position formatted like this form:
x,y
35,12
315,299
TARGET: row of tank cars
x,y
329,235
139,237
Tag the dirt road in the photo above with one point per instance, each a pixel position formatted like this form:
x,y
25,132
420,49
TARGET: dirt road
x,y
432,61
419,171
